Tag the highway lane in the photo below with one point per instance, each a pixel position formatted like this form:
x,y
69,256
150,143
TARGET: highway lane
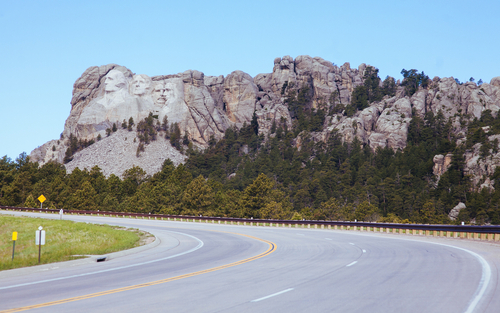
x,y
321,270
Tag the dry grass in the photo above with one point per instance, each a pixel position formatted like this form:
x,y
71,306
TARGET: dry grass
x,y
65,240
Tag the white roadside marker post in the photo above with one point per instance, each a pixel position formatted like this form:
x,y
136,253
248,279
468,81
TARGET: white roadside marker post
x,y
40,240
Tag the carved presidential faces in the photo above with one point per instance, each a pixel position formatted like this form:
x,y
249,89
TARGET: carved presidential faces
x,y
169,91
140,85
159,96
115,80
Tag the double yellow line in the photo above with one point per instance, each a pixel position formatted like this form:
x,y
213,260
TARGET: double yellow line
x,y
271,249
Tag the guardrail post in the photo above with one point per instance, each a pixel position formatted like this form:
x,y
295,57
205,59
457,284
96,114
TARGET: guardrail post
x,y
483,236
496,237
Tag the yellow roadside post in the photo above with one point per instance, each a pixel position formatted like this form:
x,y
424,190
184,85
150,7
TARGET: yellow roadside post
x,y
14,238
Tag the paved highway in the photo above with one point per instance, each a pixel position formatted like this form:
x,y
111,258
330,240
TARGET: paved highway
x,y
198,267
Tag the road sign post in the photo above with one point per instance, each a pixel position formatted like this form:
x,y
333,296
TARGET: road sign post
x,y
40,240
14,238
41,199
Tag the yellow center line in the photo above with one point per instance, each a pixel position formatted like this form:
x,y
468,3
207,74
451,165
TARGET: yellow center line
x,y
271,249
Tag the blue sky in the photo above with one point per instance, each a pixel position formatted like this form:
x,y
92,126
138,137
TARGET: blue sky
x,y
46,45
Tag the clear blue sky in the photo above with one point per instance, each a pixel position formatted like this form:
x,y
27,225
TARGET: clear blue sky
x,y
46,45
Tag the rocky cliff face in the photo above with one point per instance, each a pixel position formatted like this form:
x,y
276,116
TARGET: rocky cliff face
x,y
205,106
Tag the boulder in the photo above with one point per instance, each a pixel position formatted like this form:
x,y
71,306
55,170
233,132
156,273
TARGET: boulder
x,y
453,215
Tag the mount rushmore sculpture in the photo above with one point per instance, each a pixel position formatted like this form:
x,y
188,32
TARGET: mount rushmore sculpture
x,y
204,107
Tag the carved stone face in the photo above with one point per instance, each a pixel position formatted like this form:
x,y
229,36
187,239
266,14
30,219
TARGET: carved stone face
x,y
115,80
159,96
140,85
169,91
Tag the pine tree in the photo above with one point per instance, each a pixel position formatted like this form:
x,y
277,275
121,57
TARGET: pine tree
x,y
130,123
255,196
198,196
30,202
84,198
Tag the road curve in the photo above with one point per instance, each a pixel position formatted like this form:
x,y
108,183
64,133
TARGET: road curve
x,y
200,267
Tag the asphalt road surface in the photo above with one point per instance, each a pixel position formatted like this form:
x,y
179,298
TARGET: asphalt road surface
x,y
204,267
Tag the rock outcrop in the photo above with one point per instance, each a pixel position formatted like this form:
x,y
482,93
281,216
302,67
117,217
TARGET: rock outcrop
x,y
453,215
481,169
205,106
441,163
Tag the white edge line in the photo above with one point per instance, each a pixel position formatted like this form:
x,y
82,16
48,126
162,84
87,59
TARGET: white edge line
x,y
485,275
200,244
273,295
483,283
351,264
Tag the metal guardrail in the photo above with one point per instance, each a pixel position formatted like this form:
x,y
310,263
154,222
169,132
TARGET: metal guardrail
x,y
486,232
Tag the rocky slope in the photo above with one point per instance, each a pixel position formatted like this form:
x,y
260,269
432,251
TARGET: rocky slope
x,y
205,106
117,152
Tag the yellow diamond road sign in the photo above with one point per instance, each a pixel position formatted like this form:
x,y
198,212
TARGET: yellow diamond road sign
x,y
42,198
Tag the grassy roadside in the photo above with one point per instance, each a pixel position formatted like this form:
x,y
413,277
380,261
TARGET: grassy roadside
x,y
65,240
